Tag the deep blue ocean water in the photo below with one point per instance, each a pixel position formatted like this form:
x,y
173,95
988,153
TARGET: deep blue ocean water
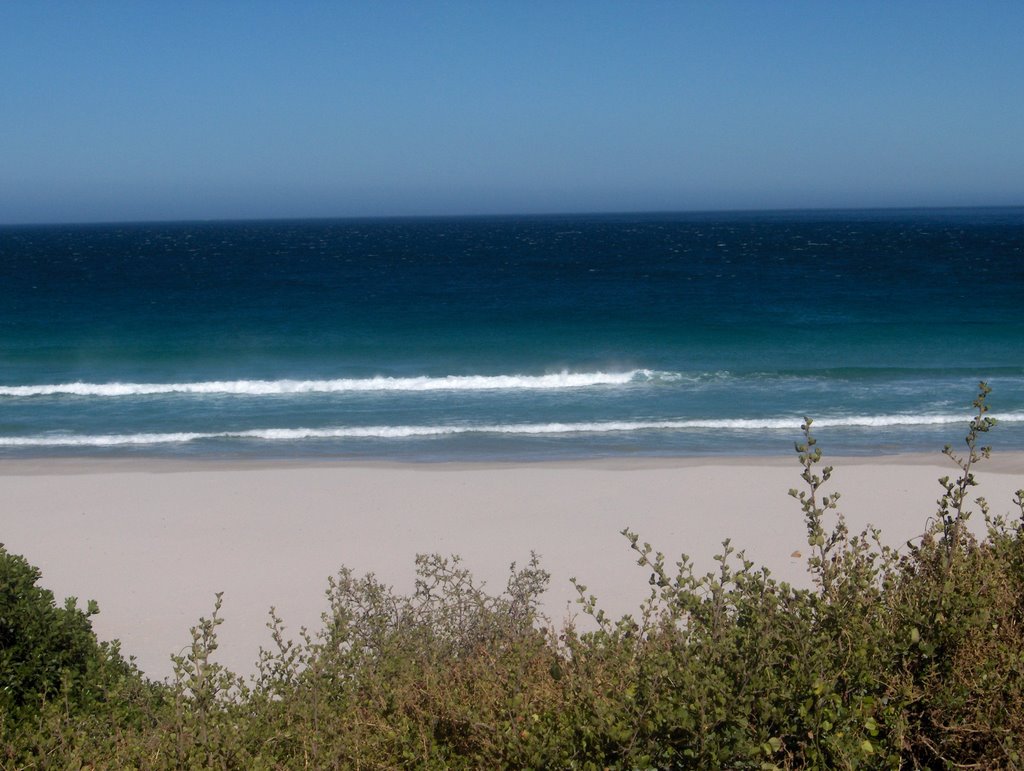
x,y
511,338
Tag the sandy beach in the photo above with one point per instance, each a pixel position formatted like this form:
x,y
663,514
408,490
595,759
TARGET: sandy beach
x,y
153,540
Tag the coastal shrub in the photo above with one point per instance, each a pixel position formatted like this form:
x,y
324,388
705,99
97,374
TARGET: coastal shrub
x,y
53,670
41,645
909,657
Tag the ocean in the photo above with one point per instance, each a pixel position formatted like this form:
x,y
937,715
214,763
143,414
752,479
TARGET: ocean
x,y
511,338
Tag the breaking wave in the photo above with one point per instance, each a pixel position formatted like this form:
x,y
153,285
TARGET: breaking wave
x,y
347,385
402,432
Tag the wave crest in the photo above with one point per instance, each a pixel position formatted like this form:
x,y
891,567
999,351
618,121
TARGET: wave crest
x,y
402,432
346,385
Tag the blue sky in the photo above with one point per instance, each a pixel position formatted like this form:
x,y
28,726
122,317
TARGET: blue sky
x,y
149,110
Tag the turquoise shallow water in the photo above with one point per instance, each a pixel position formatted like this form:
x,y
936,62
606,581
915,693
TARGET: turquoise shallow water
x,y
511,338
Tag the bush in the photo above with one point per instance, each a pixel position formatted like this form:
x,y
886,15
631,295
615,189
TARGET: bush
x,y
55,676
42,646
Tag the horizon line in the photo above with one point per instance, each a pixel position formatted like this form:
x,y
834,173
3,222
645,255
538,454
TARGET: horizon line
x,y
509,215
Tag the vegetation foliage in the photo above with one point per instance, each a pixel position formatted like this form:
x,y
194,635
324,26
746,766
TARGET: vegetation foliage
x,y
895,658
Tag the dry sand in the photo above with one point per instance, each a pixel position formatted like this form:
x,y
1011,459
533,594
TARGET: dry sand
x,y
152,541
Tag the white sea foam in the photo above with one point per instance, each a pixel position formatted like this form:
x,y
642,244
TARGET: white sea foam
x,y
550,381
342,385
400,432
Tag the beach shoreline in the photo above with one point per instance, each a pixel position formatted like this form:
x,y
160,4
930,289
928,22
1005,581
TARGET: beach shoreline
x,y
152,540
1004,461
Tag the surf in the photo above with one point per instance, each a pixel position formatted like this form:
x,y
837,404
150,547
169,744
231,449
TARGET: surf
x,y
551,381
522,429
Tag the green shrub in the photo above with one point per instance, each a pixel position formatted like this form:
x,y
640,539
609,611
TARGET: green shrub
x,y
42,646
56,678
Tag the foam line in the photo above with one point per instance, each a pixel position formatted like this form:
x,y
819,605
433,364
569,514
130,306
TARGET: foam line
x,y
401,432
344,385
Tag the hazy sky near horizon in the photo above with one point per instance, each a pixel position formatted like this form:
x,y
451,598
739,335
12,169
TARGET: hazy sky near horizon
x,y
117,111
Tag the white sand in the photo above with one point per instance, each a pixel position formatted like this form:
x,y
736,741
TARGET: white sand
x,y
152,541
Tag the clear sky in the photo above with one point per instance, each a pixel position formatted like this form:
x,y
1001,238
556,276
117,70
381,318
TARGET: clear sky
x,y
116,111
